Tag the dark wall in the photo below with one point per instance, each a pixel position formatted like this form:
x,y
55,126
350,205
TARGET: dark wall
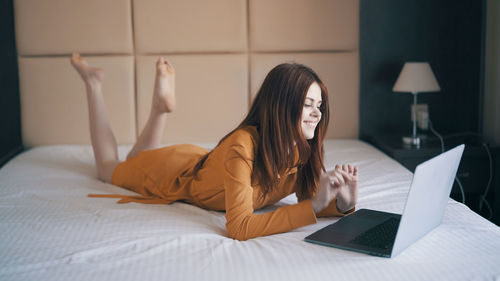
x,y
10,120
447,34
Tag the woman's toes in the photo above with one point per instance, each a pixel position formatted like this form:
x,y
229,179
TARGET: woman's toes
x,y
170,68
164,67
88,74
77,59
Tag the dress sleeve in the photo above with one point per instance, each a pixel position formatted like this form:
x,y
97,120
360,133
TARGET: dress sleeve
x,y
241,222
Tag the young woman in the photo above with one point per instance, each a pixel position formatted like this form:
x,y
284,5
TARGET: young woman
x,y
275,151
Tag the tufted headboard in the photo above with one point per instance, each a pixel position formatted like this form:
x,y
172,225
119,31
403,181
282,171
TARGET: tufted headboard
x,y
221,50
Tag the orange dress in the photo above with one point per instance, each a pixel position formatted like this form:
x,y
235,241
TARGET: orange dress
x,y
165,175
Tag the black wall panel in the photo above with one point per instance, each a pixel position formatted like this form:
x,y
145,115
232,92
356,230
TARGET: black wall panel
x,y
448,35
10,120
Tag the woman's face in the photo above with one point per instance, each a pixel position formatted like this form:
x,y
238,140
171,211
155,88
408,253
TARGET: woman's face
x,y
311,113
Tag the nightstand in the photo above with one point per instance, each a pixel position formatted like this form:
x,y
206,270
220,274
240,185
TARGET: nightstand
x,y
473,171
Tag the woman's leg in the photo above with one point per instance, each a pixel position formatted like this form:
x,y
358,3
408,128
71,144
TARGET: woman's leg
x,y
163,102
102,138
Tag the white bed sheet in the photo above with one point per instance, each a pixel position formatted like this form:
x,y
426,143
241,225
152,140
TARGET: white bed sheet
x,y
51,230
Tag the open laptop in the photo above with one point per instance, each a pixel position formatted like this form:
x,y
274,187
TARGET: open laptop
x,y
386,234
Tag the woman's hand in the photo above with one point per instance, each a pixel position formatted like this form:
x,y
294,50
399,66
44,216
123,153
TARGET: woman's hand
x,y
325,192
342,183
347,193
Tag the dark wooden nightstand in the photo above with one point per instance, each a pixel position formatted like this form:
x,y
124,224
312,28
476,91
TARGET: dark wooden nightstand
x,y
473,172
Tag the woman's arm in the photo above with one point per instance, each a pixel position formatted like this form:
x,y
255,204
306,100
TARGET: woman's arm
x,y
241,222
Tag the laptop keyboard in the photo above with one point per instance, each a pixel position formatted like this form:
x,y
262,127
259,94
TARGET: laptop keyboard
x,y
381,236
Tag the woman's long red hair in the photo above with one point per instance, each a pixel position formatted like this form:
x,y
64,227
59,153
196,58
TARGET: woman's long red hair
x,y
276,113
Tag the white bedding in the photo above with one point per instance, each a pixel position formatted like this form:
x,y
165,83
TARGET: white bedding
x,y
51,230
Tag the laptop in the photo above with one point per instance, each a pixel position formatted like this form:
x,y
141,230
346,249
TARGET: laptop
x,y
387,234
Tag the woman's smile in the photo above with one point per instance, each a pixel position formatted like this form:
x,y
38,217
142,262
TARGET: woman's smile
x,y
311,124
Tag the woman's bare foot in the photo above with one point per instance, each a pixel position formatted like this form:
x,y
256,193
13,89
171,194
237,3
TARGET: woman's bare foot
x,y
164,89
90,75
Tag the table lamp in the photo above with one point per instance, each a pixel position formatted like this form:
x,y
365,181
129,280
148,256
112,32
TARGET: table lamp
x,y
415,77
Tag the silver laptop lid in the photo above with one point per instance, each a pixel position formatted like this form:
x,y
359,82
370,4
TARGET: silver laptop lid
x,y
429,193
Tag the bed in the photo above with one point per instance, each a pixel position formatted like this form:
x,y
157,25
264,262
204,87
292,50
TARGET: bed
x,y
221,50
51,230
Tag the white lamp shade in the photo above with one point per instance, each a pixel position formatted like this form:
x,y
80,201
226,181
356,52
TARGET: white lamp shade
x,y
416,77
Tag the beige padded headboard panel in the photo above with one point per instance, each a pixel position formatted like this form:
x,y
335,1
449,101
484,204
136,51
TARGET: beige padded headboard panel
x,y
221,50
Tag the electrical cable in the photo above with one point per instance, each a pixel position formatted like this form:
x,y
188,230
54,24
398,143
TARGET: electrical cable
x,y
442,150
483,197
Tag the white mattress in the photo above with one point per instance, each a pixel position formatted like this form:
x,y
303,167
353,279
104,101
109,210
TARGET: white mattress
x,y
51,230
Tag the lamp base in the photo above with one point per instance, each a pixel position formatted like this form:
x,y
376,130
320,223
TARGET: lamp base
x,y
412,141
